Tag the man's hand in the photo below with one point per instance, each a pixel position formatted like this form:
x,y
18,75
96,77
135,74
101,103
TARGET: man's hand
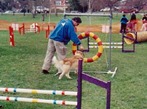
x,y
81,47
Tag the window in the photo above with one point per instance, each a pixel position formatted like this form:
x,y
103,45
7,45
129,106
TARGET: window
x,y
58,3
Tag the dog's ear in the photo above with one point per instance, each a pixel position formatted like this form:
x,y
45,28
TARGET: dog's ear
x,y
80,53
83,54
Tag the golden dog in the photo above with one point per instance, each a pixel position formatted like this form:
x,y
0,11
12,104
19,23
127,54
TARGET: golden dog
x,y
66,65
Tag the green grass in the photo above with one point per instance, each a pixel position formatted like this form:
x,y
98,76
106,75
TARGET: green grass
x,y
29,18
21,68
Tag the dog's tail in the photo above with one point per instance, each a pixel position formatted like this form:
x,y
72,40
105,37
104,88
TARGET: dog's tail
x,y
54,60
58,64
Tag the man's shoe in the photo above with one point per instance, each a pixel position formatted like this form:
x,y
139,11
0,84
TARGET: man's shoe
x,y
45,72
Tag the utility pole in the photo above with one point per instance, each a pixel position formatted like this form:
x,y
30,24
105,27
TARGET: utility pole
x,y
34,8
89,6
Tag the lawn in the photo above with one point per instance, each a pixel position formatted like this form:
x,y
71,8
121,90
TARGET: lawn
x,y
21,68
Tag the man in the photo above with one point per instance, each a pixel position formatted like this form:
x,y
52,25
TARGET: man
x,y
132,24
123,21
59,38
144,23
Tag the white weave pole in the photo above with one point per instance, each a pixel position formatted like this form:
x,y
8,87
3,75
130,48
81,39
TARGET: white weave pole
x,y
105,45
33,100
34,91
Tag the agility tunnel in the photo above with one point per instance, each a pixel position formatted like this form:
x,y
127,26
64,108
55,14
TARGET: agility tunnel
x,y
138,37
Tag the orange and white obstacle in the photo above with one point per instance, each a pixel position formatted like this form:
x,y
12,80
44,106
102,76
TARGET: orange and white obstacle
x,y
11,36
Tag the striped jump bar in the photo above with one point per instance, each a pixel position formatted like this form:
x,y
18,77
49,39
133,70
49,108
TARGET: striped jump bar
x,y
21,99
34,91
106,46
112,43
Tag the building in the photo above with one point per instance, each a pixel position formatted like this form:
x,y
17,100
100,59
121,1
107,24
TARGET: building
x,y
60,5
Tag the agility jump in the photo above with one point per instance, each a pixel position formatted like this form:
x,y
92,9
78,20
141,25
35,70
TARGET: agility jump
x,y
110,38
11,36
78,94
33,28
99,43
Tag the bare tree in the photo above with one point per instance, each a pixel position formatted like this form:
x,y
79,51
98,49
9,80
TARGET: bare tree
x,y
111,4
138,4
95,5
84,3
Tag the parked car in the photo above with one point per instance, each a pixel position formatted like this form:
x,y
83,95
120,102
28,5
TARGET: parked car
x,y
23,10
128,10
74,12
105,9
41,9
8,12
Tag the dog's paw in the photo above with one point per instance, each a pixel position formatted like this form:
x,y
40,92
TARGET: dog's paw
x,y
60,78
58,73
70,78
61,75
76,72
67,75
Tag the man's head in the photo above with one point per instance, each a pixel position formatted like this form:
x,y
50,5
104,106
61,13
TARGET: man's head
x,y
124,15
76,21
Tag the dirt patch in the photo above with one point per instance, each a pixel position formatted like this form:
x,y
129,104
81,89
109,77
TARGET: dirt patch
x,y
4,25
